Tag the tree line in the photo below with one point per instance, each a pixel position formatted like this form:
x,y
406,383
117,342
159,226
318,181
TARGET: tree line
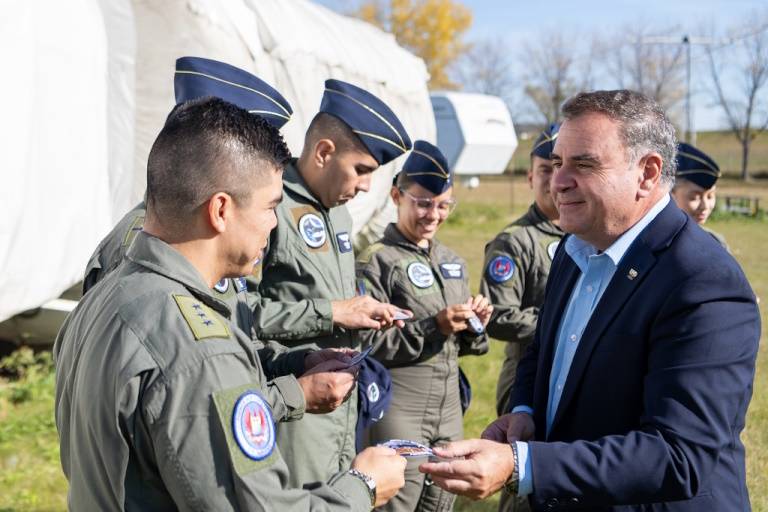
x,y
535,79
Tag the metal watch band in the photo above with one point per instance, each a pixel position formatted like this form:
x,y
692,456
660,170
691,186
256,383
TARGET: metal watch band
x,y
513,482
369,482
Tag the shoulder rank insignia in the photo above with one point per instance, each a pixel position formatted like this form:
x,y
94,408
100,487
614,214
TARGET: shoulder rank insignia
x,y
136,226
201,319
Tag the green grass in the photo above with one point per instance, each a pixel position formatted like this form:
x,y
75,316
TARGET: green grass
x,y
30,474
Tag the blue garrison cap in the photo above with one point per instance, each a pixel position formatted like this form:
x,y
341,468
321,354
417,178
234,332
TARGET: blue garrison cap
x,y
545,143
370,118
374,390
196,77
694,165
427,166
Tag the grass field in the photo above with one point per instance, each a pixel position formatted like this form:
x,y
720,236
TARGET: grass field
x,y
30,477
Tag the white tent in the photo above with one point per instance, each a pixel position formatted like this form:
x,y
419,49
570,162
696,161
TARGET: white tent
x,y
93,82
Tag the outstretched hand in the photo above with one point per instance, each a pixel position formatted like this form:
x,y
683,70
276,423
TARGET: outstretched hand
x,y
479,467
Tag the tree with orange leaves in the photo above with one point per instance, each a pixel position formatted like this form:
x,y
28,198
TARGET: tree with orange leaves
x,y
432,29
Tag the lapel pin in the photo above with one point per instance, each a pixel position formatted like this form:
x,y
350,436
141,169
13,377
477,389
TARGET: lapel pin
x,y
631,274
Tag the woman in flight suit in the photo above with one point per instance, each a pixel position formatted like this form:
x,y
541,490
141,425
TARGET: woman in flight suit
x,y
409,268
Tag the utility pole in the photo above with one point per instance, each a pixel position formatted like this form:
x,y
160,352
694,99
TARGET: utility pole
x,y
690,132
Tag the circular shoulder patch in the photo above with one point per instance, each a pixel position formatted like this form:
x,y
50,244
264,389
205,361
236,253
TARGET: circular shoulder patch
x,y
222,286
501,268
373,392
420,274
312,230
253,427
551,248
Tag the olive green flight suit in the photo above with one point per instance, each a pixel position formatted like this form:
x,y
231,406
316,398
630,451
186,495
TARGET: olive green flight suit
x,y
159,400
423,362
110,253
530,242
308,264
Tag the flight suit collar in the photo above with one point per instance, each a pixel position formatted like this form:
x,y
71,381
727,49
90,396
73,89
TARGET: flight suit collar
x,y
293,181
393,235
542,223
159,257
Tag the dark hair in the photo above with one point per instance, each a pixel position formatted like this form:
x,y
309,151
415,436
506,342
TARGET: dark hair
x,y
207,146
328,126
644,127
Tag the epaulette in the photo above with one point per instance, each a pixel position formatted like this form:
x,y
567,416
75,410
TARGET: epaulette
x,y
368,253
202,320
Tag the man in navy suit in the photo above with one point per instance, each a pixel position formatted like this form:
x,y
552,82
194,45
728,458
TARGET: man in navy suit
x,y
635,390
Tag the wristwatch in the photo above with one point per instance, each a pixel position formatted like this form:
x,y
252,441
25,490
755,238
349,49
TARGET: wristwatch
x,y
369,482
513,482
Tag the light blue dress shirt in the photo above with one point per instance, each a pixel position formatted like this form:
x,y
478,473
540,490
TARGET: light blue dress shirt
x,y
596,272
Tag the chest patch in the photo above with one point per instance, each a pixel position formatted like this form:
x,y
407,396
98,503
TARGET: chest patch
x,y
253,427
551,248
201,319
312,230
420,275
501,268
345,245
222,286
452,270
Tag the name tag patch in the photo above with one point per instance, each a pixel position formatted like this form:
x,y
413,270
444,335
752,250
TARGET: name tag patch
x,y
420,275
345,245
312,230
452,270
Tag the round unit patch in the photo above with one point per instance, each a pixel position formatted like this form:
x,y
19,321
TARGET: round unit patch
x,y
420,274
551,248
312,230
373,392
501,268
253,427
222,286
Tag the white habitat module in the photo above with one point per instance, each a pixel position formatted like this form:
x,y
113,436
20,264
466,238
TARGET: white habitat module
x,y
474,132
93,84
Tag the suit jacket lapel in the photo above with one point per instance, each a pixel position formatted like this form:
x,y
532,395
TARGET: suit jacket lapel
x,y
633,269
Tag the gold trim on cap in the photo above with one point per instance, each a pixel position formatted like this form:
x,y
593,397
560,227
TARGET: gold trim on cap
x,y
381,118
267,96
270,113
700,160
379,137
698,171
427,173
417,152
547,138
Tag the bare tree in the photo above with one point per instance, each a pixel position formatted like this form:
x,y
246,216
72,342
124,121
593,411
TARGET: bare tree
x,y
745,108
637,62
487,68
554,72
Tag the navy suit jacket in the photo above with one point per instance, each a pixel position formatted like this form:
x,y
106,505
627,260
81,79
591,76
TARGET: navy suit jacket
x,y
658,390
